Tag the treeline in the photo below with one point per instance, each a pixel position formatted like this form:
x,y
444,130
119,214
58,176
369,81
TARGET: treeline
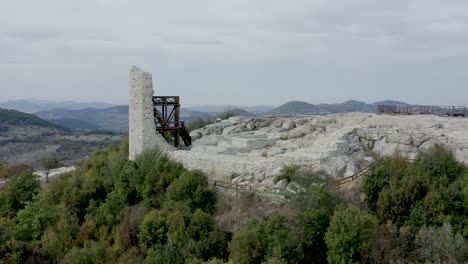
x,y
153,210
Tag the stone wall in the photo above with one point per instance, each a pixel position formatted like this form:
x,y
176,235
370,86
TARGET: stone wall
x,y
142,129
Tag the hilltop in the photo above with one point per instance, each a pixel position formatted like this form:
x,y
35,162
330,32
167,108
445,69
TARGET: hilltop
x,y
24,138
113,118
13,117
255,149
304,108
34,105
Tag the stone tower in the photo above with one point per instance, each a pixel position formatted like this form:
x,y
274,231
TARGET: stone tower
x,y
142,129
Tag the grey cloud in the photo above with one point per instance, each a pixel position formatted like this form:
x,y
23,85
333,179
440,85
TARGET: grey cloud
x,y
90,40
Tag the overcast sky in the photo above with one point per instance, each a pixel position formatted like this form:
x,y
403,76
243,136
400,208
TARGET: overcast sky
x,y
243,52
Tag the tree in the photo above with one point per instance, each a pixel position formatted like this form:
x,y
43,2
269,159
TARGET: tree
x,y
440,245
192,188
18,191
384,170
270,240
314,208
348,235
49,163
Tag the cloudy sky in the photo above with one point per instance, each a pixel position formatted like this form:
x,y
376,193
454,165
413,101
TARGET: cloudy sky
x,y
243,52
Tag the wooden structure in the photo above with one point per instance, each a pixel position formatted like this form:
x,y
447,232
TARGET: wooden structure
x,y
167,119
460,111
230,186
353,177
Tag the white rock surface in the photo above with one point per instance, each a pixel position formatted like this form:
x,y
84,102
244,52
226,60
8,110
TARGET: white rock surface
x,y
257,148
335,143
54,173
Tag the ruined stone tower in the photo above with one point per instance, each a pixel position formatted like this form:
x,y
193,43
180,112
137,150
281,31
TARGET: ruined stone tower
x,y
142,129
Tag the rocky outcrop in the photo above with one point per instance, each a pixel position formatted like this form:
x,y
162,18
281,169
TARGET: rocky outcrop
x,y
340,145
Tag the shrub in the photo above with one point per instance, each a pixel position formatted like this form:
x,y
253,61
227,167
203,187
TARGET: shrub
x,y
17,192
440,245
287,173
383,170
427,192
265,241
60,237
399,198
320,196
348,235
154,173
11,250
108,214
31,222
246,245
192,188
8,171
440,165
126,233
313,225
92,252
153,229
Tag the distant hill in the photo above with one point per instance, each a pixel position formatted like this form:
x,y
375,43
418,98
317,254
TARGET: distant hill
x,y
223,108
241,112
391,102
33,105
17,118
303,108
348,106
75,124
113,118
297,108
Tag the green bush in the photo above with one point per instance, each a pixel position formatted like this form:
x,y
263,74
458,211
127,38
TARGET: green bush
x,y
11,250
60,237
440,165
264,241
348,235
426,192
17,192
314,207
387,168
313,225
153,229
192,188
31,222
158,172
92,252
288,172
8,171
440,245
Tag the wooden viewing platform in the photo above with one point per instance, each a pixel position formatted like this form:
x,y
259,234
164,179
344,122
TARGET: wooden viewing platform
x,y
458,111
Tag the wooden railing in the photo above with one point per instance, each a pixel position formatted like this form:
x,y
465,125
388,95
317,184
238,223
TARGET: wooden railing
x,y
230,186
358,175
353,177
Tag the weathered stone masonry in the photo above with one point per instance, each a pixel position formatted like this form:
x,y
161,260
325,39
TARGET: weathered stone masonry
x,y
142,129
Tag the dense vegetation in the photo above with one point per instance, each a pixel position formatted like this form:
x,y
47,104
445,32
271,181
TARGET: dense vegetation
x,y
13,117
152,210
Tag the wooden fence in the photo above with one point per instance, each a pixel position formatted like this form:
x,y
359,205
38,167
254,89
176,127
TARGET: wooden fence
x,y
230,186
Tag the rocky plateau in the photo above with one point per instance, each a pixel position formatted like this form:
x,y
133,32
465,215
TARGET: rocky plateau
x,y
246,150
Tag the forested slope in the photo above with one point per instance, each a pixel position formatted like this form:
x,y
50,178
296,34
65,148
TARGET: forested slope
x,y
153,210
